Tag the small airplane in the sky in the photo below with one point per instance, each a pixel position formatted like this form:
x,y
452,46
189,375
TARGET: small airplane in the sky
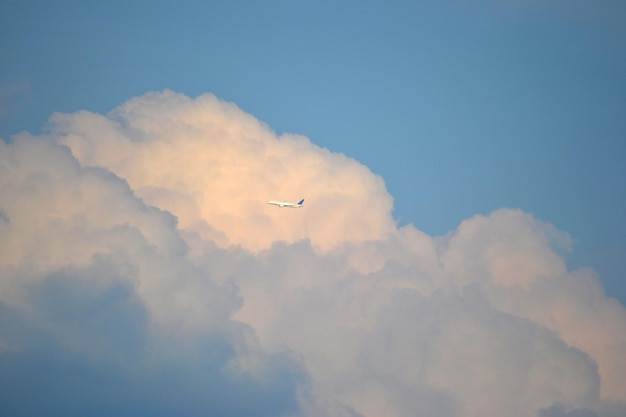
x,y
282,204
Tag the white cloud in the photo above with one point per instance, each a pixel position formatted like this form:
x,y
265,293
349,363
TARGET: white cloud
x,y
215,166
139,244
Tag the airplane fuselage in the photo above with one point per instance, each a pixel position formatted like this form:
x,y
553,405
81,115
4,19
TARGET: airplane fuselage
x,y
286,204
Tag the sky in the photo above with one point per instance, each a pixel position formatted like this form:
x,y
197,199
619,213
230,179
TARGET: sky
x,y
462,165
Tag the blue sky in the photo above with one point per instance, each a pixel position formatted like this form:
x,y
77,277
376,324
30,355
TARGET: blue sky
x,y
166,274
462,107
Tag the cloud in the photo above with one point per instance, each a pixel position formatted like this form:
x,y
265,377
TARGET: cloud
x,y
102,313
142,270
216,166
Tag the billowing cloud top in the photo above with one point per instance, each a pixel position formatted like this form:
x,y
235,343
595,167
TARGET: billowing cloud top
x,y
141,272
215,166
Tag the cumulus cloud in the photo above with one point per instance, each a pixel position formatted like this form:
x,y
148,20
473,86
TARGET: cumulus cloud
x,y
215,167
142,271
101,309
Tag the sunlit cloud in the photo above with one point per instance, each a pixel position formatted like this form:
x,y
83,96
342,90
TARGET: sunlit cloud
x,y
142,270
215,166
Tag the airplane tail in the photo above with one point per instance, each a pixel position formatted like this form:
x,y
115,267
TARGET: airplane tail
x,y
301,202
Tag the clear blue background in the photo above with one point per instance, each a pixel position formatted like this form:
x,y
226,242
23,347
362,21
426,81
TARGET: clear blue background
x,y
462,107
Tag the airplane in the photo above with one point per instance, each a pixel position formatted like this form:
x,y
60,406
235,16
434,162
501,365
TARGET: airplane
x,y
282,204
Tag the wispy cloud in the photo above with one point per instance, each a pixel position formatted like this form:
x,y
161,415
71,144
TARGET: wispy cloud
x,y
143,272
